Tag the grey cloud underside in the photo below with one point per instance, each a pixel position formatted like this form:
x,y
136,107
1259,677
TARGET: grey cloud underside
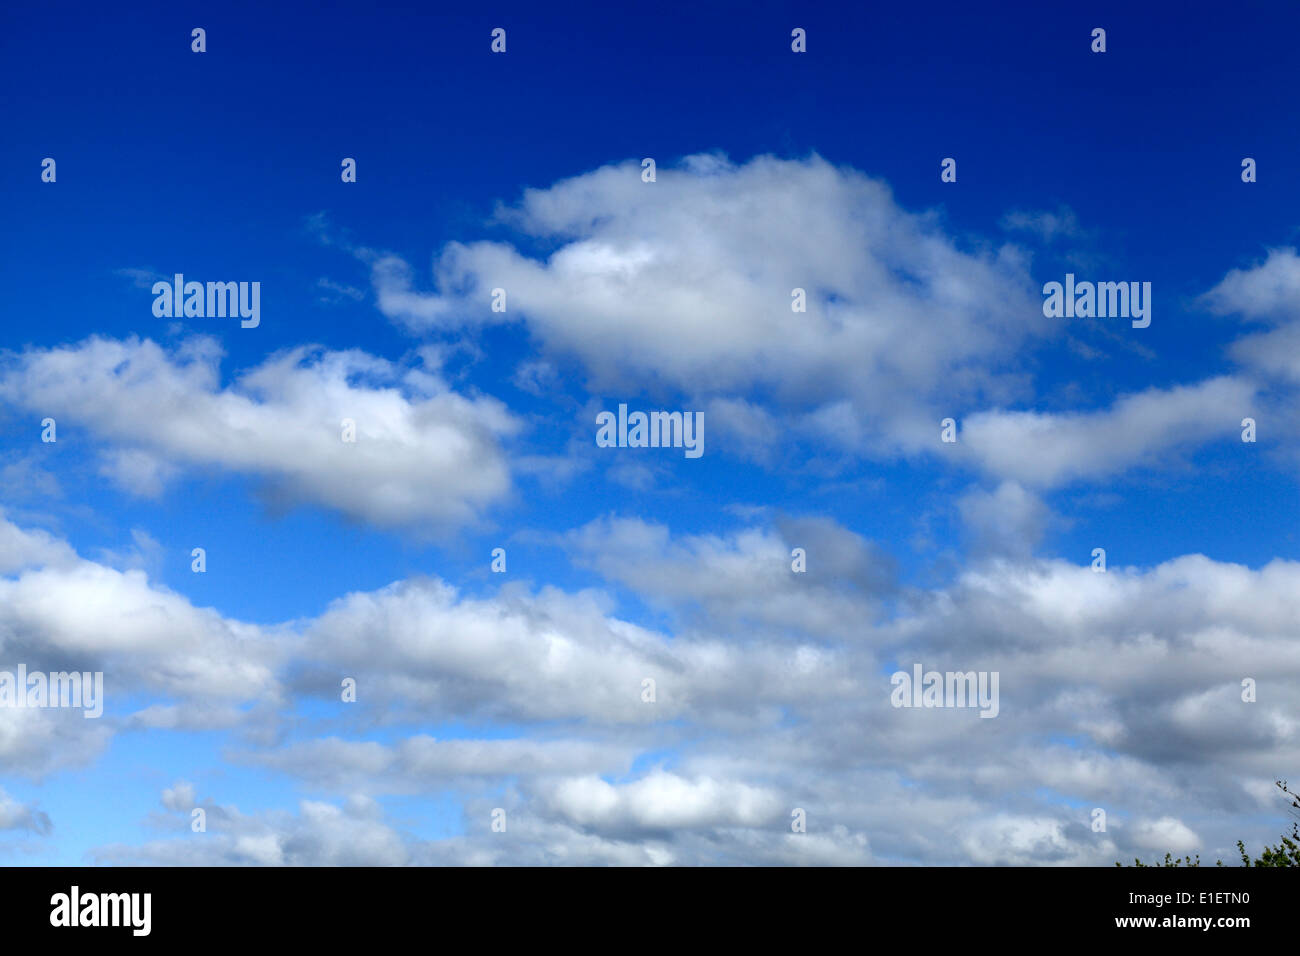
x,y
1139,670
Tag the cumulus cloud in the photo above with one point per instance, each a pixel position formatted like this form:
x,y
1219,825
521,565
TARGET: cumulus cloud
x,y
688,282
179,797
39,743
548,655
1007,840
319,834
357,833
60,612
1045,449
23,548
15,815
1167,833
1120,689
1267,293
661,801
747,577
91,618
1007,520
419,763
685,284
1145,663
423,454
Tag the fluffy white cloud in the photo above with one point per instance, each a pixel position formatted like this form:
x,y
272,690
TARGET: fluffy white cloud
x,y
685,283
1006,840
59,612
1167,834
1268,291
94,618
1008,520
423,454
1149,428
747,577
15,815
320,834
422,762
662,801
39,743
688,281
545,656
23,548
1120,690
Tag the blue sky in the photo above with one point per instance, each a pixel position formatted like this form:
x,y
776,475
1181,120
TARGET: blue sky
x,y
822,431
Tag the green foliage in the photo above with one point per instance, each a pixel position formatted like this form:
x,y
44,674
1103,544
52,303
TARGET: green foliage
x,y
1285,853
1171,860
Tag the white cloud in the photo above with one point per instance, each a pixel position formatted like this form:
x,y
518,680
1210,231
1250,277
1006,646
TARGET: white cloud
x,y
687,281
15,815
320,834
1007,840
1008,520
24,548
98,618
1269,291
422,762
1042,449
59,612
685,284
1167,834
1047,226
179,797
1138,669
544,656
662,801
745,577
423,454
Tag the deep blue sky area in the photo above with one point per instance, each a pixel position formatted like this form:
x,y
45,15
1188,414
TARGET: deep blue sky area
x,y
169,158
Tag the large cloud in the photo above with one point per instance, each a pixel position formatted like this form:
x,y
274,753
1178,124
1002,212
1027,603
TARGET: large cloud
x,y
748,577
687,281
546,656
1146,429
59,612
320,834
1267,293
1119,690
423,454
683,285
